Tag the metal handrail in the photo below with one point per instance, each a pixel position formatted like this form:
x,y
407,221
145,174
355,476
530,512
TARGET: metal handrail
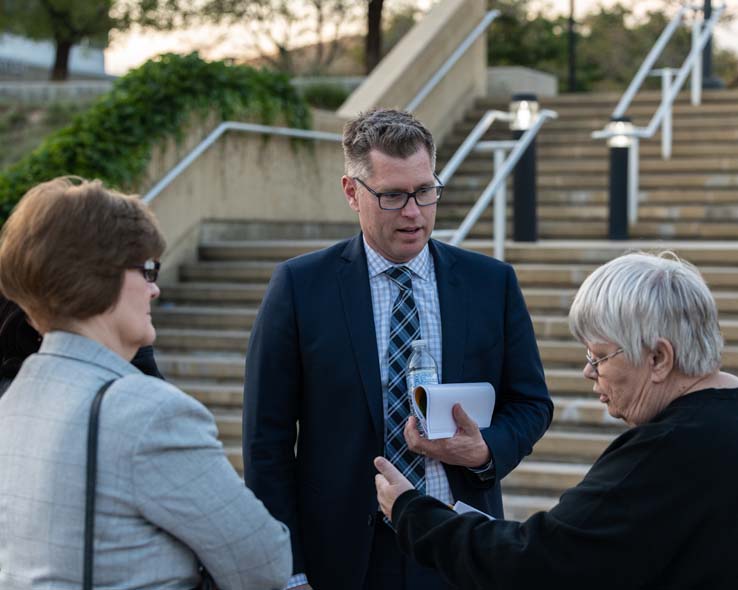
x,y
316,135
662,117
495,186
453,58
468,145
648,63
232,126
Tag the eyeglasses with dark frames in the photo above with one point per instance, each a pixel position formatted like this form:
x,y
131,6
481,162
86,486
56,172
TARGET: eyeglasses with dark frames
x,y
594,361
149,270
393,200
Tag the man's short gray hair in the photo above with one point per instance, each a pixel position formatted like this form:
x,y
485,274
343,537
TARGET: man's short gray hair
x,y
394,133
636,299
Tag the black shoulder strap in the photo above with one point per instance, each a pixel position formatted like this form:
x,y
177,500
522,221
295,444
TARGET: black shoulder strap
x,y
91,483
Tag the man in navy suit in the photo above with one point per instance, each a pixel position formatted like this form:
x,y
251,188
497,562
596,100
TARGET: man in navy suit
x,y
316,393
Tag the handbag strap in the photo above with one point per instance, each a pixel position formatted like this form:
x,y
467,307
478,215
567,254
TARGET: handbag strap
x,y
91,483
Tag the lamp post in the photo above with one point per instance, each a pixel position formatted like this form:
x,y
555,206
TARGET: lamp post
x,y
524,111
619,144
709,82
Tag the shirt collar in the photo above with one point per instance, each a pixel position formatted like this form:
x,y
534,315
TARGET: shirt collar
x,y
377,264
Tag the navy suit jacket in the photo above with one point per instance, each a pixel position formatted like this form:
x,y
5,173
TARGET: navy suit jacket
x,y
313,415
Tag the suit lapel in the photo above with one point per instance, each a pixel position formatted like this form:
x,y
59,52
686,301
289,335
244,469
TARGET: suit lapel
x,y
452,298
353,282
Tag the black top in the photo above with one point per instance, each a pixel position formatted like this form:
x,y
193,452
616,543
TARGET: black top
x,y
658,510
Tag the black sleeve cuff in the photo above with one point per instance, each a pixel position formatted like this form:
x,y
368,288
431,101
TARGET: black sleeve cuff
x,y
401,503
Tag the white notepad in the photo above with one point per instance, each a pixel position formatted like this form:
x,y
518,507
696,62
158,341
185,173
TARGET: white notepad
x,y
433,404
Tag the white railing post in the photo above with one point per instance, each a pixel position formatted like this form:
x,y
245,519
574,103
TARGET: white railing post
x,y
500,214
696,78
633,191
666,80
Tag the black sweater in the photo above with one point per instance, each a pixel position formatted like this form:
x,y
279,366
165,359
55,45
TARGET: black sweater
x,y
658,510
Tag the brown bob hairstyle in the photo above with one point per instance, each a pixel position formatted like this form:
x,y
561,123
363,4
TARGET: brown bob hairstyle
x,y
66,245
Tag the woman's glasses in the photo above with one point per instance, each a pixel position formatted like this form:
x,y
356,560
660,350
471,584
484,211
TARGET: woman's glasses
x,y
149,270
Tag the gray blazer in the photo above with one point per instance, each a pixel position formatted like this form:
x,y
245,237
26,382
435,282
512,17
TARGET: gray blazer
x,y
166,494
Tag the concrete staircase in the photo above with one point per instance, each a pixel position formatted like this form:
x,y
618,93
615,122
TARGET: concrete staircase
x,y
694,195
204,320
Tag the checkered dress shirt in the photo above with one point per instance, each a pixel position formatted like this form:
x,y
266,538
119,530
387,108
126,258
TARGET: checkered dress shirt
x,y
425,293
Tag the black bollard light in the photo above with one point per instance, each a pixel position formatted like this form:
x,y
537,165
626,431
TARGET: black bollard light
x,y
524,110
619,145
709,81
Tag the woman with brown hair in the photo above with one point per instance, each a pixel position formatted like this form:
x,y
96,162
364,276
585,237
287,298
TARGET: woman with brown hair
x,y
82,263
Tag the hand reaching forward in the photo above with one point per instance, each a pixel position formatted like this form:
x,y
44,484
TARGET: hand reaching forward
x,y
390,485
466,447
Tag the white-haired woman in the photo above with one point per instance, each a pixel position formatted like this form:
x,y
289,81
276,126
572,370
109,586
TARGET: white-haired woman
x,y
659,508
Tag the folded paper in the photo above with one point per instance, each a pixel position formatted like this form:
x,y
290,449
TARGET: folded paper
x,y
433,405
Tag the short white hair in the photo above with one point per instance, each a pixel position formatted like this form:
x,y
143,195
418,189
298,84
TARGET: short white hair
x,y
635,299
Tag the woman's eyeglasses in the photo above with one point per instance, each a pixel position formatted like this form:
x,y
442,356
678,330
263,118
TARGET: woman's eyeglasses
x,y
594,361
149,270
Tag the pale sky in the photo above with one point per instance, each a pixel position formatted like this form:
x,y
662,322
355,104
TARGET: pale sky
x,y
133,48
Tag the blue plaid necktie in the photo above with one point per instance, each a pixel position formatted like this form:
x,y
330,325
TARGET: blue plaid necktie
x,y
404,328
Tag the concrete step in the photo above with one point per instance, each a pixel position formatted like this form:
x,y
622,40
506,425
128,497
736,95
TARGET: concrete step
x,y
229,293
214,395
587,124
567,111
712,253
598,150
184,338
702,253
278,250
610,99
583,136
573,213
577,447
577,412
458,196
646,181
229,425
543,477
601,166
572,275
592,229
204,316
235,456
541,299
200,366
594,182
243,271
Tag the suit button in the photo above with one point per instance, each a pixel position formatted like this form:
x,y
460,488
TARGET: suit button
x,y
370,520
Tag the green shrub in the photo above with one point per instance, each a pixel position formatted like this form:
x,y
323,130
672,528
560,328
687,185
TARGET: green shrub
x,y
324,95
113,140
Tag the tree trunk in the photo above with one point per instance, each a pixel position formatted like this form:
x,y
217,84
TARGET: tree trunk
x,y
61,61
373,51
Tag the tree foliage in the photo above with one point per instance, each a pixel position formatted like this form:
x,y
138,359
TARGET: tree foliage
x,y
69,22
114,139
611,44
277,27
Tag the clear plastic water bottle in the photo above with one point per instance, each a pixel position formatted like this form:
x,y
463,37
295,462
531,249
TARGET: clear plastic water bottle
x,y
421,370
